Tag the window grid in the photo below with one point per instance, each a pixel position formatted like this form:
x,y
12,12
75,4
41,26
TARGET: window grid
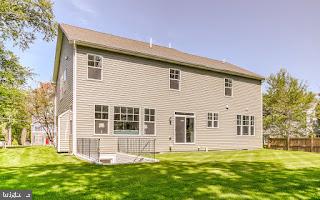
x,y
149,121
101,115
228,91
94,66
149,115
101,112
94,61
238,124
245,125
174,78
252,125
126,119
213,120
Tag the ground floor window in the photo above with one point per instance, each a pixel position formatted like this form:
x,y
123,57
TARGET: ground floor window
x,y
149,121
213,120
245,125
252,127
126,120
101,119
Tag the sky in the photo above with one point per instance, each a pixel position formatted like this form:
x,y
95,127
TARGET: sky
x,y
261,36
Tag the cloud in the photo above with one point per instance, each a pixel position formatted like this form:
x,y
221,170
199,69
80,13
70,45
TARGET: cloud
x,y
83,6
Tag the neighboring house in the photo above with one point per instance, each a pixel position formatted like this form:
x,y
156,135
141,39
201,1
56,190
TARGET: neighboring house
x,y
38,135
110,87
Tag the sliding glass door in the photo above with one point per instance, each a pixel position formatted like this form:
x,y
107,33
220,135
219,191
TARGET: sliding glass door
x,y
184,129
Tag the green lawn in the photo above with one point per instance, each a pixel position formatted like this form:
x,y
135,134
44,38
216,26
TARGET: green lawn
x,y
260,174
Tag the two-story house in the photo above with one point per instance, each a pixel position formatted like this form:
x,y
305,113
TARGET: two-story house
x,y
109,87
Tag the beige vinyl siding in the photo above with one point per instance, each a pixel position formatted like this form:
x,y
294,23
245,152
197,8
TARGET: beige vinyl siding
x,y
139,82
66,62
64,131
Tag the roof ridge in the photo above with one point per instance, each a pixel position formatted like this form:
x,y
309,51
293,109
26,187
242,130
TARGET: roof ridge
x,y
157,51
120,37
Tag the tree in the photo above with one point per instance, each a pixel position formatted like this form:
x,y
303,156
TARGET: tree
x,y
13,110
13,78
20,20
317,109
20,23
42,107
285,104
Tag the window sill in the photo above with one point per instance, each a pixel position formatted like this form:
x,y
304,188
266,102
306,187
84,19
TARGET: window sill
x,y
94,80
174,90
102,134
184,143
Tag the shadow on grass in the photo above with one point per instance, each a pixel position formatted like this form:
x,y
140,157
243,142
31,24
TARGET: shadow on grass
x,y
164,180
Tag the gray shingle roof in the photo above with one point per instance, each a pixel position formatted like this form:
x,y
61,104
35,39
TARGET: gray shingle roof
x,y
92,38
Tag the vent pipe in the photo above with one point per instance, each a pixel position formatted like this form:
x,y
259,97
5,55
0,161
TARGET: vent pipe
x,y
150,43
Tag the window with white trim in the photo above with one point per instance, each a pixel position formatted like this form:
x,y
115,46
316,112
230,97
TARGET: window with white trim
x,y
245,125
101,119
94,67
174,77
238,124
149,121
228,87
252,127
213,120
126,120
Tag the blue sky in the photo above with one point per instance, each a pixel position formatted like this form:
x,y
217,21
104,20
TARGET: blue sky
x,y
262,36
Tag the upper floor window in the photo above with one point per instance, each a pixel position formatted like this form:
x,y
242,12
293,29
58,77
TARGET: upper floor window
x,y
149,121
101,119
213,120
94,67
228,87
126,120
175,79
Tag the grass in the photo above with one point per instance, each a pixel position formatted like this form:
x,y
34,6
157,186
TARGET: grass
x,y
260,174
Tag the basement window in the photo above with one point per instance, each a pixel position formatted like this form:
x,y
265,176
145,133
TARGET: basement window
x,y
94,67
174,77
101,119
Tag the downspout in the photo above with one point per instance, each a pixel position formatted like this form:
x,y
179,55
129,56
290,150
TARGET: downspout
x,y
261,115
57,139
74,100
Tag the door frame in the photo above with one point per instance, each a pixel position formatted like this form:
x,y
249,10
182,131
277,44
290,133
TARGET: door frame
x,y
185,121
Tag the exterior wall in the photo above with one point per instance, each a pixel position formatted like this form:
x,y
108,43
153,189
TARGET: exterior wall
x,y
65,102
138,82
64,132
